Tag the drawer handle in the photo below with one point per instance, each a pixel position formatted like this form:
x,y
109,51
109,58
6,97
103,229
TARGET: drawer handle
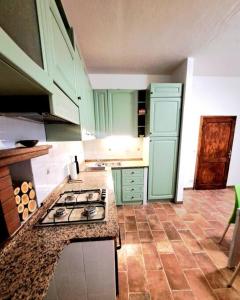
x,y
132,197
132,172
132,181
132,189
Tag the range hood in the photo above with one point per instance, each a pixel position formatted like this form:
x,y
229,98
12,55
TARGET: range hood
x,y
36,107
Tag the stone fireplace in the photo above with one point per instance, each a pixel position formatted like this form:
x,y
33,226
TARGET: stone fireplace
x,y
9,159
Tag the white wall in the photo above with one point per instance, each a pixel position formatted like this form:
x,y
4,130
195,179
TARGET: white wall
x,y
48,170
125,81
114,147
212,96
184,74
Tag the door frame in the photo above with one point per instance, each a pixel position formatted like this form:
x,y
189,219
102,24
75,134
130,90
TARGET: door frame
x,y
202,118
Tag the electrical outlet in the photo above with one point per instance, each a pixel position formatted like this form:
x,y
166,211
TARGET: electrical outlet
x,y
48,171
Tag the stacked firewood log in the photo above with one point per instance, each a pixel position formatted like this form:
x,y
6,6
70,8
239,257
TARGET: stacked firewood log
x,y
25,198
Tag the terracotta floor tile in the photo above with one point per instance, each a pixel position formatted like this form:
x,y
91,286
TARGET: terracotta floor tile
x,y
196,230
133,249
227,294
136,274
193,246
219,258
171,231
122,261
122,231
145,236
175,276
143,226
123,286
159,235
130,227
183,295
184,257
169,209
130,219
151,257
154,222
140,215
149,210
139,296
213,275
199,285
164,246
162,214
158,286
132,237
186,235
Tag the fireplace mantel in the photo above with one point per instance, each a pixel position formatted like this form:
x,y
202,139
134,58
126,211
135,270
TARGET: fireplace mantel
x,y
9,217
14,155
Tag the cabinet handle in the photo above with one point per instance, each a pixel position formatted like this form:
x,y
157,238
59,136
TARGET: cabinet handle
x,y
132,181
132,190
150,132
132,172
79,98
150,141
132,197
151,93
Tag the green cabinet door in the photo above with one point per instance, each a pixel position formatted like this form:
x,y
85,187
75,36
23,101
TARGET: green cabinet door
x,y
85,96
101,110
165,116
62,60
123,112
162,167
117,181
166,90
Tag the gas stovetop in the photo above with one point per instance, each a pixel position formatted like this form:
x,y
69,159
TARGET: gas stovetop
x,y
77,206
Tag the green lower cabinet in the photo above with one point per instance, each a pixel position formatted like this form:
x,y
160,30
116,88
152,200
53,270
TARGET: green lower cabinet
x,y
162,167
128,189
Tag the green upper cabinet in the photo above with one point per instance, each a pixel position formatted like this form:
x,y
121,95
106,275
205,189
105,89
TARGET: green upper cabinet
x,y
85,97
162,167
101,110
115,112
165,116
166,90
61,56
123,112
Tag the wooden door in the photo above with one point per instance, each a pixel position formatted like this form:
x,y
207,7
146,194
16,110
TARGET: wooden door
x,y
214,151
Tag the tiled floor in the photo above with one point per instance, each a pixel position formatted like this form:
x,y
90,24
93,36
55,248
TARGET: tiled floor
x,y
170,252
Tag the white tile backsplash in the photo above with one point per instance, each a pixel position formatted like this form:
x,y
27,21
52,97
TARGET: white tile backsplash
x,y
113,147
48,170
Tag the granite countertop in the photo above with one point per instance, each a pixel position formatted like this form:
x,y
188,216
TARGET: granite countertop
x,y
119,163
27,262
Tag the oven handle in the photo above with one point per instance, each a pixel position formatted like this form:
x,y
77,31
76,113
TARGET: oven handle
x,y
119,245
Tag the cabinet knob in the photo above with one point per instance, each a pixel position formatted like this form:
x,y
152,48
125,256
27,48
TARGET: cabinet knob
x,y
132,190
132,197
132,181
151,93
132,172
79,98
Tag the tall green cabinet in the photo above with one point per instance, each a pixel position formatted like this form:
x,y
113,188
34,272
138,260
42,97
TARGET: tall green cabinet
x,y
163,125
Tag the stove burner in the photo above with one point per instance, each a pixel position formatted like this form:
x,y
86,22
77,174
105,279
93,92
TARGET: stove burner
x,y
89,196
60,212
70,197
89,211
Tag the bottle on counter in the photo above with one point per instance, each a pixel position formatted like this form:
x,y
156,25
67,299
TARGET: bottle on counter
x,y
73,171
77,164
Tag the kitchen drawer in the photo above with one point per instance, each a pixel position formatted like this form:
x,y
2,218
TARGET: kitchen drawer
x,y
132,172
133,188
130,180
166,90
131,196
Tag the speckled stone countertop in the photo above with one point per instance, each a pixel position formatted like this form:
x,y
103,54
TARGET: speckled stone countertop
x,y
119,164
27,262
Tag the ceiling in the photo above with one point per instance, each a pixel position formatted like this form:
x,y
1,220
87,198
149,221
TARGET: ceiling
x,y
155,36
